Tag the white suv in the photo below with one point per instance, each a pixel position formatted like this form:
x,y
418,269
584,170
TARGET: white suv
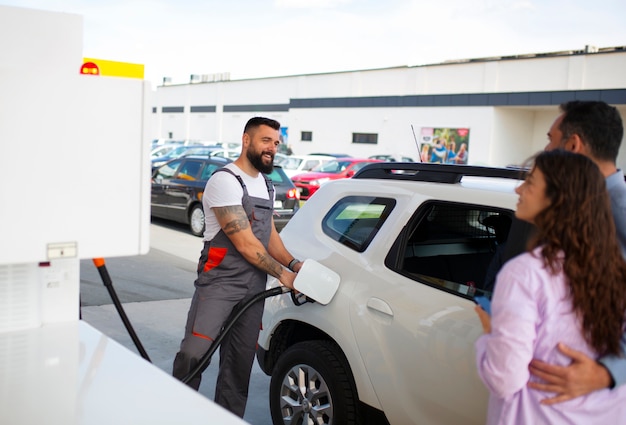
x,y
413,244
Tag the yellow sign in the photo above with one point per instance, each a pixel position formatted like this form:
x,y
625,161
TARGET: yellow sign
x,y
111,68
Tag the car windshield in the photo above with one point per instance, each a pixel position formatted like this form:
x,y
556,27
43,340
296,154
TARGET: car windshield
x,y
333,167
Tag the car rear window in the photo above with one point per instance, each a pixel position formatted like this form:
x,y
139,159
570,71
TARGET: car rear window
x,y
354,220
454,247
278,176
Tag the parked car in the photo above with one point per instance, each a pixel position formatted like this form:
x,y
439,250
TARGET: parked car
x,y
396,343
177,189
335,155
279,158
160,142
393,158
183,150
226,153
162,150
172,154
298,164
287,201
339,168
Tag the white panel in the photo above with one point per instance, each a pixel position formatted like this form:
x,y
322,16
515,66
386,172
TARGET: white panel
x,y
33,294
59,286
111,193
44,43
605,71
70,373
20,303
512,128
542,74
78,172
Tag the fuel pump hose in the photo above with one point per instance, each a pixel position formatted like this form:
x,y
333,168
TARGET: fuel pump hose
x,y
204,361
108,283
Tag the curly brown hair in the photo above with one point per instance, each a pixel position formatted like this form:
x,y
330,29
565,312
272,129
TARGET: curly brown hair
x,y
578,223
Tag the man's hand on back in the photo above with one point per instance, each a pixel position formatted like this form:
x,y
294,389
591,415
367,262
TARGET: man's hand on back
x,y
583,376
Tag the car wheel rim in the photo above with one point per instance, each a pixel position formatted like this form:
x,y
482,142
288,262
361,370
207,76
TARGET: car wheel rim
x,y
305,397
197,220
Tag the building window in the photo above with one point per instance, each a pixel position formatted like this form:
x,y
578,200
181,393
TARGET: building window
x,y
369,138
306,136
196,109
173,109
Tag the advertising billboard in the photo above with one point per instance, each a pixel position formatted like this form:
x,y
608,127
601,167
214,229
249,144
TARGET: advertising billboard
x,y
444,145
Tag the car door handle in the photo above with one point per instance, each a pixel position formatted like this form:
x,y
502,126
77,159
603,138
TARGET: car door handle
x,y
380,306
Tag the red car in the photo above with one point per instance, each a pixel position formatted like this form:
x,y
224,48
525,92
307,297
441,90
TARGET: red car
x,y
340,168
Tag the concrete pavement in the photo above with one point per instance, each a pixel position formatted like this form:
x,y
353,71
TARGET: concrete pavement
x,y
159,323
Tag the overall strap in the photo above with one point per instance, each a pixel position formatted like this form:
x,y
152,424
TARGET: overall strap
x,y
268,181
270,186
237,176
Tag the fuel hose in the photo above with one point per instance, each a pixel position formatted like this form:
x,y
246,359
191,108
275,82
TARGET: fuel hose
x,y
204,361
108,283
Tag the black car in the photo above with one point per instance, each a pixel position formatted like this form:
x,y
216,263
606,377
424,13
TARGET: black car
x,y
287,197
177,189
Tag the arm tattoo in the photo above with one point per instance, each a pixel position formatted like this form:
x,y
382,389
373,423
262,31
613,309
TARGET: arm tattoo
x,y
269,265
239,220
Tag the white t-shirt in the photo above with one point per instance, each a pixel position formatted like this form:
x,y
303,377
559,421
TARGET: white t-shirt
x,y
223,189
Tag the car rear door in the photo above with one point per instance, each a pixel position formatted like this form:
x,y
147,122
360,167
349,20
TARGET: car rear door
x,y
161,180
182,188
413,317
417,345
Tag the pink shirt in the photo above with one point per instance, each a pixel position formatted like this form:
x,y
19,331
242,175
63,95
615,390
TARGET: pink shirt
x,y
531,313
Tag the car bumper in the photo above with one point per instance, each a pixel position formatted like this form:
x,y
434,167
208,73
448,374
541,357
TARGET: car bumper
x,y
282,217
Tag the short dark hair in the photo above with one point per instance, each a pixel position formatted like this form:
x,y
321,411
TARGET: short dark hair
x,y
598,124
259,121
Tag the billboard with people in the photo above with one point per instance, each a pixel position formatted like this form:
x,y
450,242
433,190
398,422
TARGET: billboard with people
x,y
444,145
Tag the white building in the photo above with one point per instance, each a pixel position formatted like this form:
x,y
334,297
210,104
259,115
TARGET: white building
x,y
506,103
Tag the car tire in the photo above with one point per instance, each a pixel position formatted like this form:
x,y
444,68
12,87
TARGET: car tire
x,y
312,383
196,220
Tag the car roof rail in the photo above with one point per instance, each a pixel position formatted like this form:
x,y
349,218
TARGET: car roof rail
x,y
435,173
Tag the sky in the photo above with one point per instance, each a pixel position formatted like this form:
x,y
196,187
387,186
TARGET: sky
x,y
267,38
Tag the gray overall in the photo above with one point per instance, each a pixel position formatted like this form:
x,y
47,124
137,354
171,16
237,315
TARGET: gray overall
x,y
225,281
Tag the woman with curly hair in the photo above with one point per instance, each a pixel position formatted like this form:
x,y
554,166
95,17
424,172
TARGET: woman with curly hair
x,y
569,287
